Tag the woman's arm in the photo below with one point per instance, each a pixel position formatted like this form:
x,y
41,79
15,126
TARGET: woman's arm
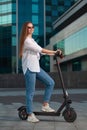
x,y
33,46
51,52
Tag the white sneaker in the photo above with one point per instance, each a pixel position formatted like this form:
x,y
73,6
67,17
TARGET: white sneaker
x,y
47,108
32,118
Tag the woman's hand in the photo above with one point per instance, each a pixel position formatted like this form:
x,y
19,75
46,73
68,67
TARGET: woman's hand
x,y
59,53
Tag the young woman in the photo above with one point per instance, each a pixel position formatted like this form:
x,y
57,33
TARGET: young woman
x,y
30,54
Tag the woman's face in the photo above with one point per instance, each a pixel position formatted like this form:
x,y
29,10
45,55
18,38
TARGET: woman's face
x,y
30,28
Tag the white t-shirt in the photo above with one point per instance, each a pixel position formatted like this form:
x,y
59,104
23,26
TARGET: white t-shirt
x,y
31,56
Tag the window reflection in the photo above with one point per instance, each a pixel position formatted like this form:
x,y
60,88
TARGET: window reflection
x,y
6,8
34,8
35,19
6,19
76,42
34,0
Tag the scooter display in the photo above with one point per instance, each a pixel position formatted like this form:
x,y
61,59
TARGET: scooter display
x,y
67,111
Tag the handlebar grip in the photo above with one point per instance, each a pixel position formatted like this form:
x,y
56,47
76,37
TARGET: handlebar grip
x,y
59,55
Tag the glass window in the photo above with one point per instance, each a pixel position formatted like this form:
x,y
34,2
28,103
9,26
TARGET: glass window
x,y
60,45
34,8
76,42
48,29
76,66
54,2
14,18
48,18
54,13
67,3
36,30
13,29
6,8
13,41
13,7
6,19
61,9
34,0
61,2
48,8
35,19
4,0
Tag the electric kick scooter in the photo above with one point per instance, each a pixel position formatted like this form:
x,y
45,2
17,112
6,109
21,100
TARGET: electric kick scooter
x,y
67,111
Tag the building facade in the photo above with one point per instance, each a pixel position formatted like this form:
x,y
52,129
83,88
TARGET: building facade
x,y
70,34
13,13
7,36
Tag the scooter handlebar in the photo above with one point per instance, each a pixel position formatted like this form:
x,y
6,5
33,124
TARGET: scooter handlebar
x,y
59,55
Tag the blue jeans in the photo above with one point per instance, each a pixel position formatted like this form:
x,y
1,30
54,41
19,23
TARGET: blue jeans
x,y
30,80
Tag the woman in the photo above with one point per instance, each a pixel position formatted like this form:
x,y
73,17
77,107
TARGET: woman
x,y
29,52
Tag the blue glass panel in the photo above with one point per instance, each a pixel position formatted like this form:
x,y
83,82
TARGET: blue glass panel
x,y
6,8
67,3
76,42
4,0
48,29
6,19
34,8
48,8
13,7
34,0
14,18
54,2
13,29
13,41
35,19
36,31
54,13
48,18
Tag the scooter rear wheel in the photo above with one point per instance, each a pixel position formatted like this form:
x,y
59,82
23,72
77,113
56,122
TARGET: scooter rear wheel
x,y
70,115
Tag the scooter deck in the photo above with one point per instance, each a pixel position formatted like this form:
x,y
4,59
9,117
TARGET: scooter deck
x,y
47,113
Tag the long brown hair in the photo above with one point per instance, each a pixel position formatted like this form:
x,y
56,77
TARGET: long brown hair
x,y
23,36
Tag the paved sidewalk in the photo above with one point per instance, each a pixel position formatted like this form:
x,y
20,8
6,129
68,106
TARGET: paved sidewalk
x,y
12,99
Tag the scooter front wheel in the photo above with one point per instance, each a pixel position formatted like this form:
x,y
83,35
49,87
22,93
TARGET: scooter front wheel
x,y
70,115
22,113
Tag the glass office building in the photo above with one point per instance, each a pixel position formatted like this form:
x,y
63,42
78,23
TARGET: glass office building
x,y
13,13
7,36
